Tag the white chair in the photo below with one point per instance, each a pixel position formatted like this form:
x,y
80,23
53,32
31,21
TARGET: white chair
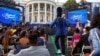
x,y
77,54
84,47
1,49
68,41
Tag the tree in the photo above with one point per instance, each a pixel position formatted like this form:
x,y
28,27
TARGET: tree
x,y
70,4
8,3
83,2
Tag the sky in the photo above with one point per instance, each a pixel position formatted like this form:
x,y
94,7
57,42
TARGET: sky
x,y
79,0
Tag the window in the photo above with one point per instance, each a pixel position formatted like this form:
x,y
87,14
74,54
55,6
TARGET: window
x,y
35,8
52,9
30,8
48,9
41,18
30,18
47,19
41,8
52,19
35,19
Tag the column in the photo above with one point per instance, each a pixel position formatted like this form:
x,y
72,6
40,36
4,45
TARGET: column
x,y
38,19
32,20
50,13
27,19
45,19
54,12
26,12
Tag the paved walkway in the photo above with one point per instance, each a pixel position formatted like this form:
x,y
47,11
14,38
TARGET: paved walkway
x,y
52,48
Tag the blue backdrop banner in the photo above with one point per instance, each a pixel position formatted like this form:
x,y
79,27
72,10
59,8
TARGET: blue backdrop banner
x,y
77,15
8,15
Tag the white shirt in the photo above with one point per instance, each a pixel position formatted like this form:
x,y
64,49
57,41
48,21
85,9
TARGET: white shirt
x,y
31,51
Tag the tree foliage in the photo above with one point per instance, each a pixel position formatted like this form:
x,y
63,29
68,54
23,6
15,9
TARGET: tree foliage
x,y
7,3
83,4
70,4
83,1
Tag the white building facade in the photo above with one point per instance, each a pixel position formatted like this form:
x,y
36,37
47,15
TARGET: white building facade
x,y
95,8
39,11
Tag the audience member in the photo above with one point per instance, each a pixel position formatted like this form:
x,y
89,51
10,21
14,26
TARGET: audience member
x,y
33,50
83,41
42,39
23,40
94,37
69,31
7,40
76,37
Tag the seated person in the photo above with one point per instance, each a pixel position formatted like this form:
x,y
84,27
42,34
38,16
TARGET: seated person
x,y
33,50
76,38
83,41
41,42
42,39
23,40
19,47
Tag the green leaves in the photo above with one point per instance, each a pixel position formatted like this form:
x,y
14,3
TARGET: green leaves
x,y
7,4
70,3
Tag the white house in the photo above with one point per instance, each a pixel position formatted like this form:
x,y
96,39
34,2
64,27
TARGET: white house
x,y
39,11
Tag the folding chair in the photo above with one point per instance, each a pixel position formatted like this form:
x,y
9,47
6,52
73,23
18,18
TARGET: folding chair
x,y
1,50
74,44
69,39
85,47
